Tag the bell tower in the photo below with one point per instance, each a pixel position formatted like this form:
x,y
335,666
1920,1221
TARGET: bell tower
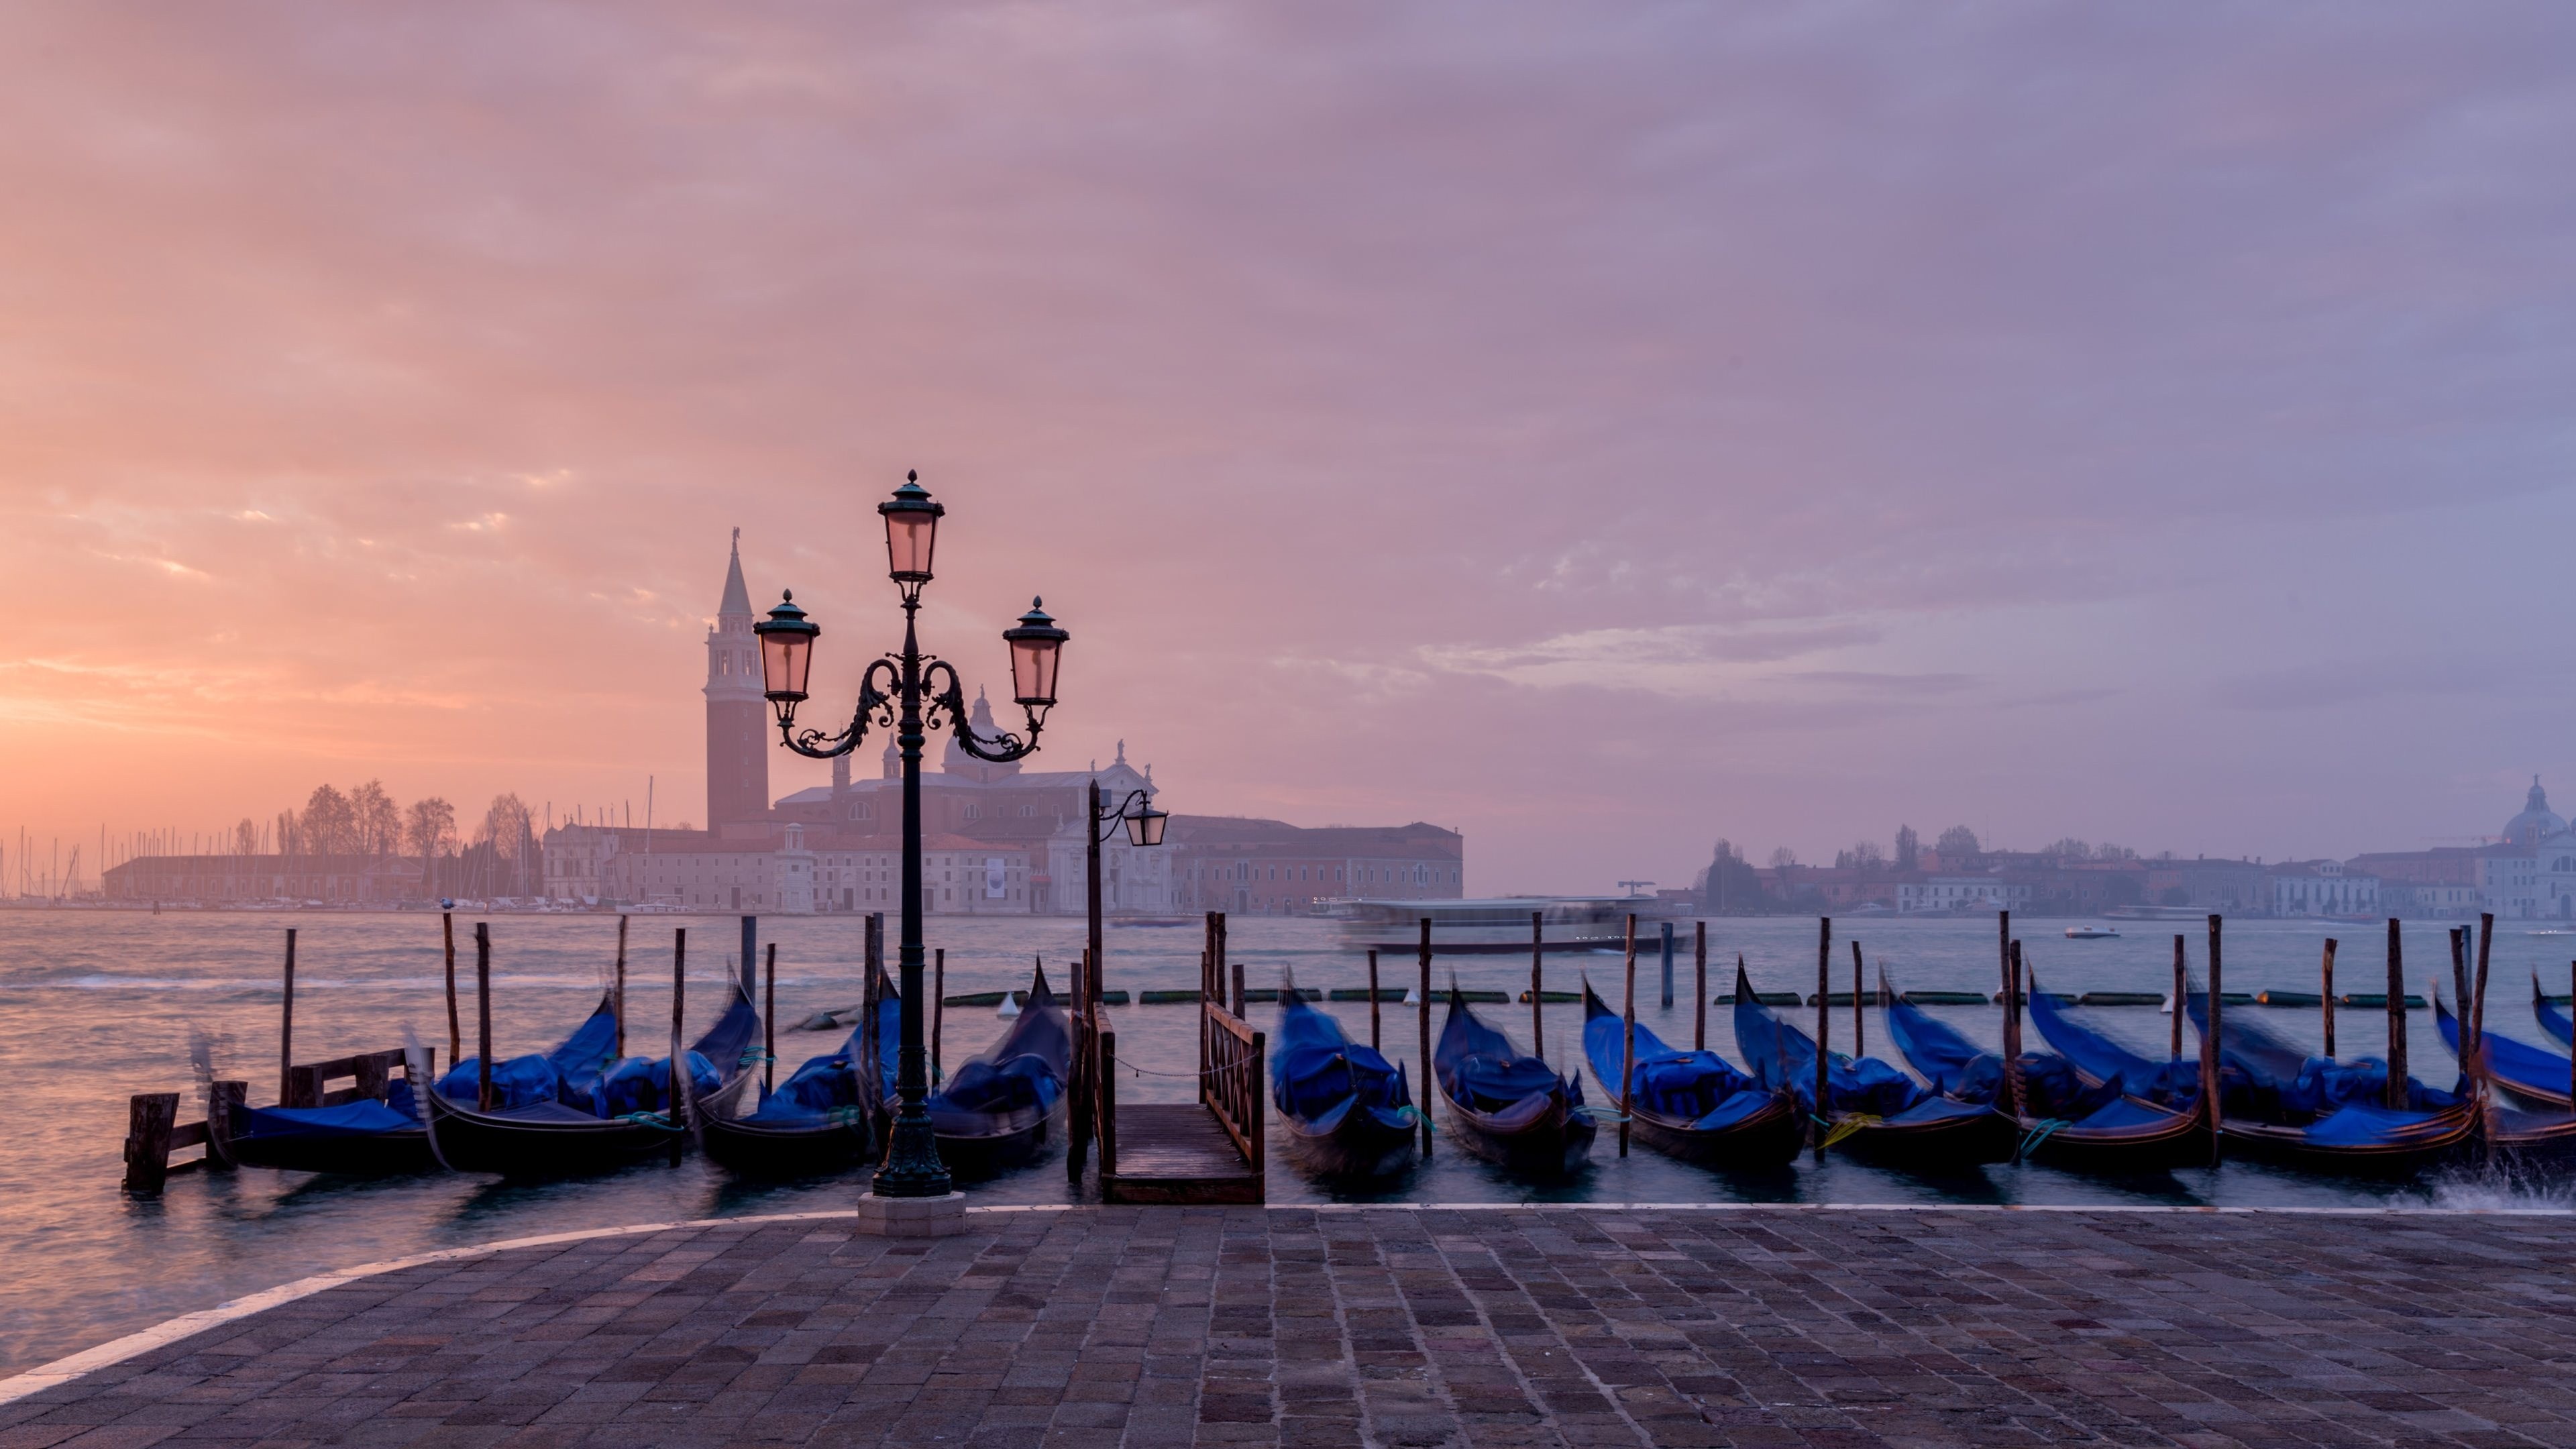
x,y
737,714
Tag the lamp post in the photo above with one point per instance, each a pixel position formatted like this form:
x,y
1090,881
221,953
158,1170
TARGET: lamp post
x,y
918,693
1144,828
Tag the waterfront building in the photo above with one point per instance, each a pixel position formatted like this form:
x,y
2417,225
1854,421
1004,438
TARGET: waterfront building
x,y
2322,888
1940,893
1269,867
220,879
2221,886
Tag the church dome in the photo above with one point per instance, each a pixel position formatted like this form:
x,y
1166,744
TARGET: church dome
x,y
2535,823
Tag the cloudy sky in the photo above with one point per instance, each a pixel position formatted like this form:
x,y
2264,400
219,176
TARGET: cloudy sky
x,y
1598,428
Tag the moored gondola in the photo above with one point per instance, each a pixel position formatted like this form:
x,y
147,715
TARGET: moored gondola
x,y
1505,1107
2325,1114
575,1113
997,1111
365,1138
1693,1105
1873,1111
2526,1071
820,1121
2066,1120
1345,1110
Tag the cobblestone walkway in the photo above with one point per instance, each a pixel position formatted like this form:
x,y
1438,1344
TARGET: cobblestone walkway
x,y
1167,1327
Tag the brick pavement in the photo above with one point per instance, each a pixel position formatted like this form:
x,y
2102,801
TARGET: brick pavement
x,y
1169,1326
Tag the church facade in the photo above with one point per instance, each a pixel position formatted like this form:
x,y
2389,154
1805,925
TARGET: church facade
x,y
997,839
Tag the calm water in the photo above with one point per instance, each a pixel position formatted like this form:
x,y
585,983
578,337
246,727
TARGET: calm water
x,y
96,1006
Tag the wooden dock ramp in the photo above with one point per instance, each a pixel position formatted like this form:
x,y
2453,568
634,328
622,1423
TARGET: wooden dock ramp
x,y
1208,1151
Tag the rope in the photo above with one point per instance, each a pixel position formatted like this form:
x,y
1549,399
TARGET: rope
x,y
1851,1123
651,1119
2046,1129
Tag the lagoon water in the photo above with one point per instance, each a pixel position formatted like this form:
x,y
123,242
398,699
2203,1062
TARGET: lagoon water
x,y
97,1005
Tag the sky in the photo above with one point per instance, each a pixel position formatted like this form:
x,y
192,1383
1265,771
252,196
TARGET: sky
x,y
1601,429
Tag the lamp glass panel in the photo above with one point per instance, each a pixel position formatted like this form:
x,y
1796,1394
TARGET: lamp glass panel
x,y
1033,666
786,655
911,535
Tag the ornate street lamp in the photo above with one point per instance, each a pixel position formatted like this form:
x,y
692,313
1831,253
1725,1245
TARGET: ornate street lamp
x,y
918,693
1144,828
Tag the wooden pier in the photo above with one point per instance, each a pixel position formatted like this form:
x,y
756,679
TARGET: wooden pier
x,y
1209,1151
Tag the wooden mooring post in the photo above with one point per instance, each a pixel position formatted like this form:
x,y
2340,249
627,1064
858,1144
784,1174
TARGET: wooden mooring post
x,y
1699,991
1628,1039
2396,1098
1824,1027
1422,1021
2209,1039
2325,970
1538,986
1374,1044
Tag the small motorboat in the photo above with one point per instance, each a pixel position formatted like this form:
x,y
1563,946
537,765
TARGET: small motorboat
x,y
2092,933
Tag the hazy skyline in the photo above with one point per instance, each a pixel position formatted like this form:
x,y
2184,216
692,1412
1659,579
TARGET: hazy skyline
x,y
1597,431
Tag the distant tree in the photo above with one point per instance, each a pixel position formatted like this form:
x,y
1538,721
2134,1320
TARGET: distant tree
x,y
1783,856
289,837
1867,856
1908,847
246,837
2068,848
2107,851
513,843
429,829
1729,884
330,827
1958,842
376,821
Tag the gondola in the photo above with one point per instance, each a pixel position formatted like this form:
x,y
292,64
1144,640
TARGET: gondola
x,y
380,1138
1873,1112
595,1115
995,1112
365,1138
2551,1019
2536,1136
816,1123
2528,1072
2326,1114
2067,1121
1346,1110
1693,1105
1508,1108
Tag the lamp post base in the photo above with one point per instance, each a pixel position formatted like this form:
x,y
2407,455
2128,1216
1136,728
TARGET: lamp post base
x,y
912,1217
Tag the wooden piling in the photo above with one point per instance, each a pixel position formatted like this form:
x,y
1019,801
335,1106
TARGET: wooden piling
x,y
769,1022
149,1119
1860,1039
2571,1060
455,1033
2396,1098
2177,998
224,1103
1699,990
2325,969
938,1004
2477,1009
1236,968
483,1016
679,1082
1538,950
1422,1021
1664,959
1628,1050
621,987
1824,1026
1375,1044
2460,985
2209,1040
286,1033
2020,1090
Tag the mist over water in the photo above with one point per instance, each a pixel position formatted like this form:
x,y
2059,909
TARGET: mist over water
x,y
95,1006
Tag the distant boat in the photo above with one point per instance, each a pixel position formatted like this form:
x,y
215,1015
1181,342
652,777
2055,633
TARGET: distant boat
x,y
2091,933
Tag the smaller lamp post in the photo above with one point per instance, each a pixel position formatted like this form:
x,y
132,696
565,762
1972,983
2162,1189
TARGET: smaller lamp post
x,y
1144,828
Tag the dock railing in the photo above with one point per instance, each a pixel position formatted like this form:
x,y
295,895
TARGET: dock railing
x,y
1231,1068
154,1133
